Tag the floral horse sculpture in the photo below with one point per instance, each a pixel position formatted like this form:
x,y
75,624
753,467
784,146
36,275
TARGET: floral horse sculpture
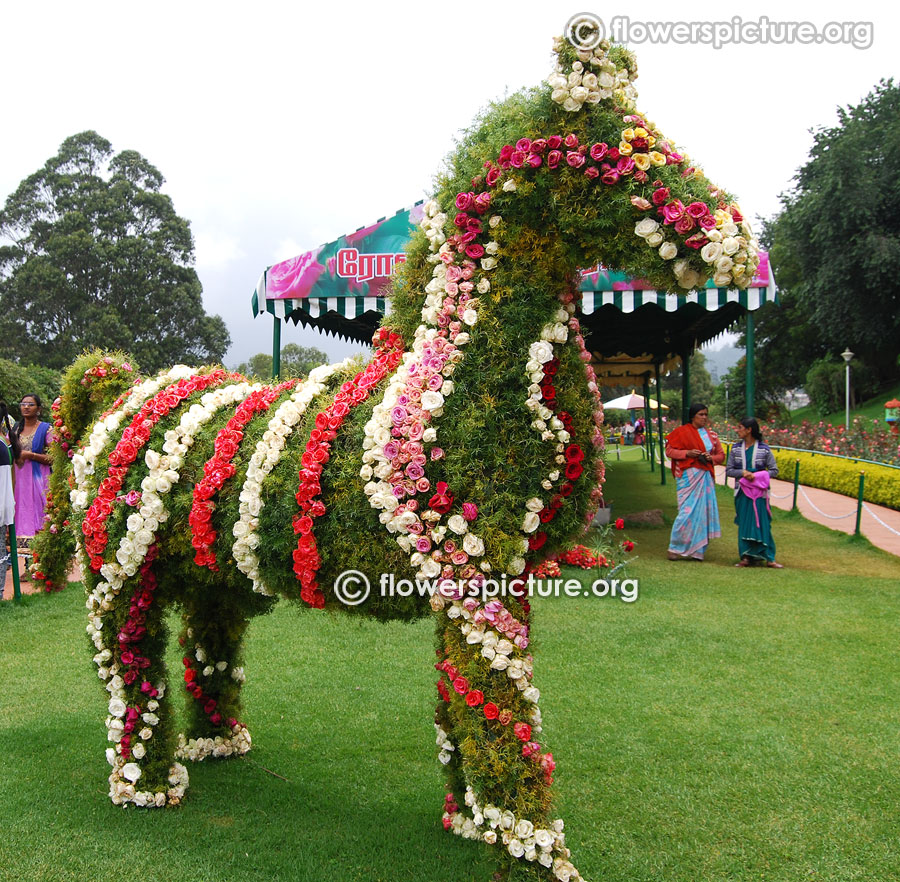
x,y
468,448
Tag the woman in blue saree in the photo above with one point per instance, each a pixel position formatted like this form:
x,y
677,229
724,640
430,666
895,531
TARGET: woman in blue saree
x,y
695,451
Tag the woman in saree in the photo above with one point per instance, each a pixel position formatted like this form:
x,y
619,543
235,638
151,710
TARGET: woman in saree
x,y
752,464
695,451
32,469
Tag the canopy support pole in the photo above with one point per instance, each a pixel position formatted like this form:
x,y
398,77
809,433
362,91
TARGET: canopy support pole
x,y
662,447
685,385
276,348
648,422
750,393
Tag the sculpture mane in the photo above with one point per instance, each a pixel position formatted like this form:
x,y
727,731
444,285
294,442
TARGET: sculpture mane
x,y
467,448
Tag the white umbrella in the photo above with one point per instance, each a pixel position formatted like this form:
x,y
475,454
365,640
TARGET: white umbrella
x,y
630,402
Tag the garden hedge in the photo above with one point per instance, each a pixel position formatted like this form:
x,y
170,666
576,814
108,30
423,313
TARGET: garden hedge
x,y
882,484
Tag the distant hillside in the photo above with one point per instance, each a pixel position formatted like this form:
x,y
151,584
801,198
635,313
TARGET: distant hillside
x,y
720,361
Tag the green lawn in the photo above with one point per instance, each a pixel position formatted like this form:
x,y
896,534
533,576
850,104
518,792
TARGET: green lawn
x,y
729,725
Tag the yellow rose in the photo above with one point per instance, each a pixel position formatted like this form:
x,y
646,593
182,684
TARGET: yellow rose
x,y
640,132
642,161
624,148
628,134
657,158
651,141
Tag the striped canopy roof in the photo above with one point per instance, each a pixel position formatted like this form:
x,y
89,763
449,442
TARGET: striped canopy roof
x,y
340,288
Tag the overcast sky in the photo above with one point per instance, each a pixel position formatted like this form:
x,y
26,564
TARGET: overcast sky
x,y
278,127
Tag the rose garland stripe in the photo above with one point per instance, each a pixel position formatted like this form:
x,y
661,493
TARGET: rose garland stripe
x,y
265,457
389,351
125,452
219,468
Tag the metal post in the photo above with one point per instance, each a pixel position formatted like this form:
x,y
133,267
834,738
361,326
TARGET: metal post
x,y
14,554
796,483
847,398
648,423
276,349
662,443
685,385
751,367
859,500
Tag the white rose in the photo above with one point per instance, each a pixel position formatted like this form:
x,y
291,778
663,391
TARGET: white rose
x,y
138,751
667,250
531,522
515,848
516,566
458,524
473,545
469,316
507,820
724,264
131,771
117,707
645,227
730,245
432,400
524,829
543,839
711,252
490,837
654,239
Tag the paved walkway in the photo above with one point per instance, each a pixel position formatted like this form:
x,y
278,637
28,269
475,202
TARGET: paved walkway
x,y
880,525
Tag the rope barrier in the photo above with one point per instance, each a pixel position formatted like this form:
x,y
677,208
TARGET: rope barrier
x,y
825,514
883,524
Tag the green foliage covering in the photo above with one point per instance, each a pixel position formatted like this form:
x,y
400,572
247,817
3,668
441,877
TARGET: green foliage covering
x,y
882,484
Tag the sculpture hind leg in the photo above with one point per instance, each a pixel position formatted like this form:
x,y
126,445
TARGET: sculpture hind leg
x,y
212,637
487,717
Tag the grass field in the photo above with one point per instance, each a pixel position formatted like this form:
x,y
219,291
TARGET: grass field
x,y
728,725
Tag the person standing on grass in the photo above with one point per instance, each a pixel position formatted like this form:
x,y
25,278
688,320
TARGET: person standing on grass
x,y
7,499
32,469
752,465
695,451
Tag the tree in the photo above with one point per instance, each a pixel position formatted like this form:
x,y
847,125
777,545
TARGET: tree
x,y
836,242
296,361
95,255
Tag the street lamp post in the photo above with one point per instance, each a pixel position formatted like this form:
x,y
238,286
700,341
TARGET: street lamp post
x,y
847,355
726,400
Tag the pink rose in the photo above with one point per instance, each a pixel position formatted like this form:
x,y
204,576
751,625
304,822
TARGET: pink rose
x,y
708,222
482,202
672,211
609,178
575,159
534,160
517,160
625,165
538,146
599,151
640,203
474,250
660,195
553,158
493,176
684,224
697,210
554,142
464,201
470,511
571,140
592,172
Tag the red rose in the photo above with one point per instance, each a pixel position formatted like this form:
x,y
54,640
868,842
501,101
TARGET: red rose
x,y
491,711
474,697
537,540
620,524
574,453
574,470
628,545
461,685
474,251
523,731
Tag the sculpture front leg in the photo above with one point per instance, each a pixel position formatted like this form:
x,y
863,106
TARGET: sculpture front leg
x,y
488,724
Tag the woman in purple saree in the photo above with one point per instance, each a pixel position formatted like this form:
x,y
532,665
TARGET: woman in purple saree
x,y
32,469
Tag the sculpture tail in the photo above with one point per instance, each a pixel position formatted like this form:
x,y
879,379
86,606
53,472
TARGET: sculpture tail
x,y
91,386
